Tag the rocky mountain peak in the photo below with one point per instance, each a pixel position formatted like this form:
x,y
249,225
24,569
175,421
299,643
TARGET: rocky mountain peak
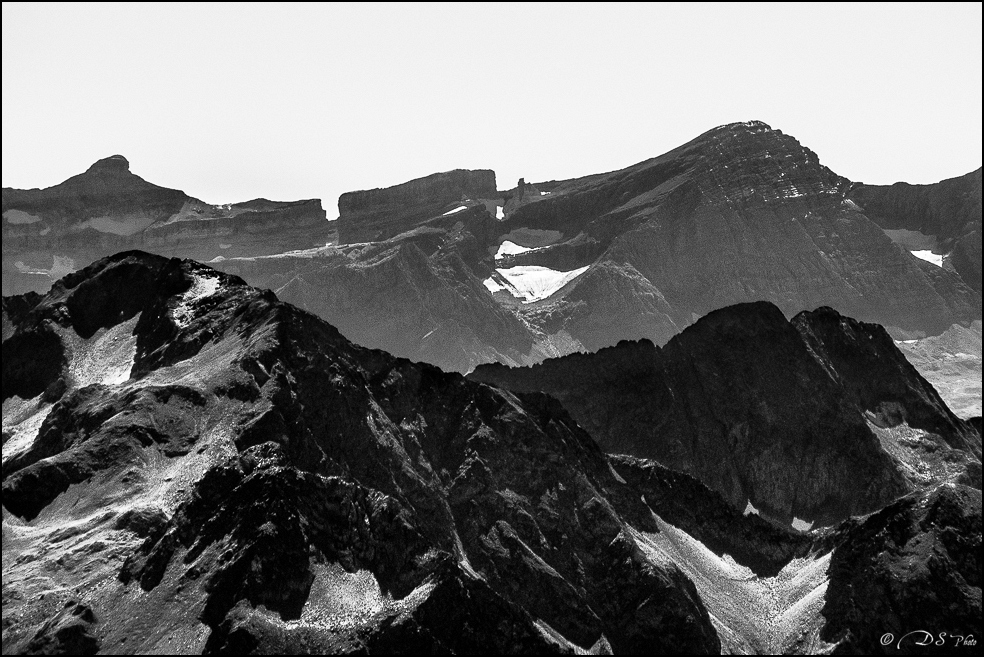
x,y
754,127
116,163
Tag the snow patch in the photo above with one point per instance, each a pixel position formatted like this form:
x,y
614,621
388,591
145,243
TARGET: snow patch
x,y
493,285
533,283
457,209
750,509
499,214
204,286
929,256
801,525
508,248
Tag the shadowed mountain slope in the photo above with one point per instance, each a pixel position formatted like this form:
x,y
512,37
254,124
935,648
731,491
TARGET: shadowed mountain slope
x,y
816,418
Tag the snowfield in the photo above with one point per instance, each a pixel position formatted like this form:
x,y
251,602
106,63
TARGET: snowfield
x,y
531,283
508,248
204,286
929,256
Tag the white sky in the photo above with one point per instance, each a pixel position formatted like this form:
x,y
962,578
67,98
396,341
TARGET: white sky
x,y
235,101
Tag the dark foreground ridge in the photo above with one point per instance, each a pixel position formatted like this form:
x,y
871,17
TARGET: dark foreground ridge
x,y
190,465
817,418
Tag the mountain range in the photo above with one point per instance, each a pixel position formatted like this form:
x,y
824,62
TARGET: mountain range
x,y
48,233
723,401
192,465
448,270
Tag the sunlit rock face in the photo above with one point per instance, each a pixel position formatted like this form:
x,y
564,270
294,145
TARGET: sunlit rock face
x,y
379,214
814,419
48,233
949,211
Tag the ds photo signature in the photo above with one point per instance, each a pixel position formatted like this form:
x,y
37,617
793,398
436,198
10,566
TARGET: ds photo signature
x,y
924,638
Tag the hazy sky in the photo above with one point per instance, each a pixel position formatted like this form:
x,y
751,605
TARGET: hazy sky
x,y
235,101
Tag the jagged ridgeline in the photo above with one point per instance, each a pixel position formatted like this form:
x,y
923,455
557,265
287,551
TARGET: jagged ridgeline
x,y
449,270
191,465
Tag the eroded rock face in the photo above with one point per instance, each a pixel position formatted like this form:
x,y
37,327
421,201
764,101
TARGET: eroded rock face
x,y
811,413
48,233
949,211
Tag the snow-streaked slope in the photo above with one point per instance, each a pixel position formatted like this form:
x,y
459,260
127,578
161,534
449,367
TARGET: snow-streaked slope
x,y
22,418
204,286
752,614
105,358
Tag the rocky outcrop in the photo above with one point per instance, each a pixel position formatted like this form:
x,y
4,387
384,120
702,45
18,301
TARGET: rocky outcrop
x,y
379,214
821,417
949,211
48,233
910,572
